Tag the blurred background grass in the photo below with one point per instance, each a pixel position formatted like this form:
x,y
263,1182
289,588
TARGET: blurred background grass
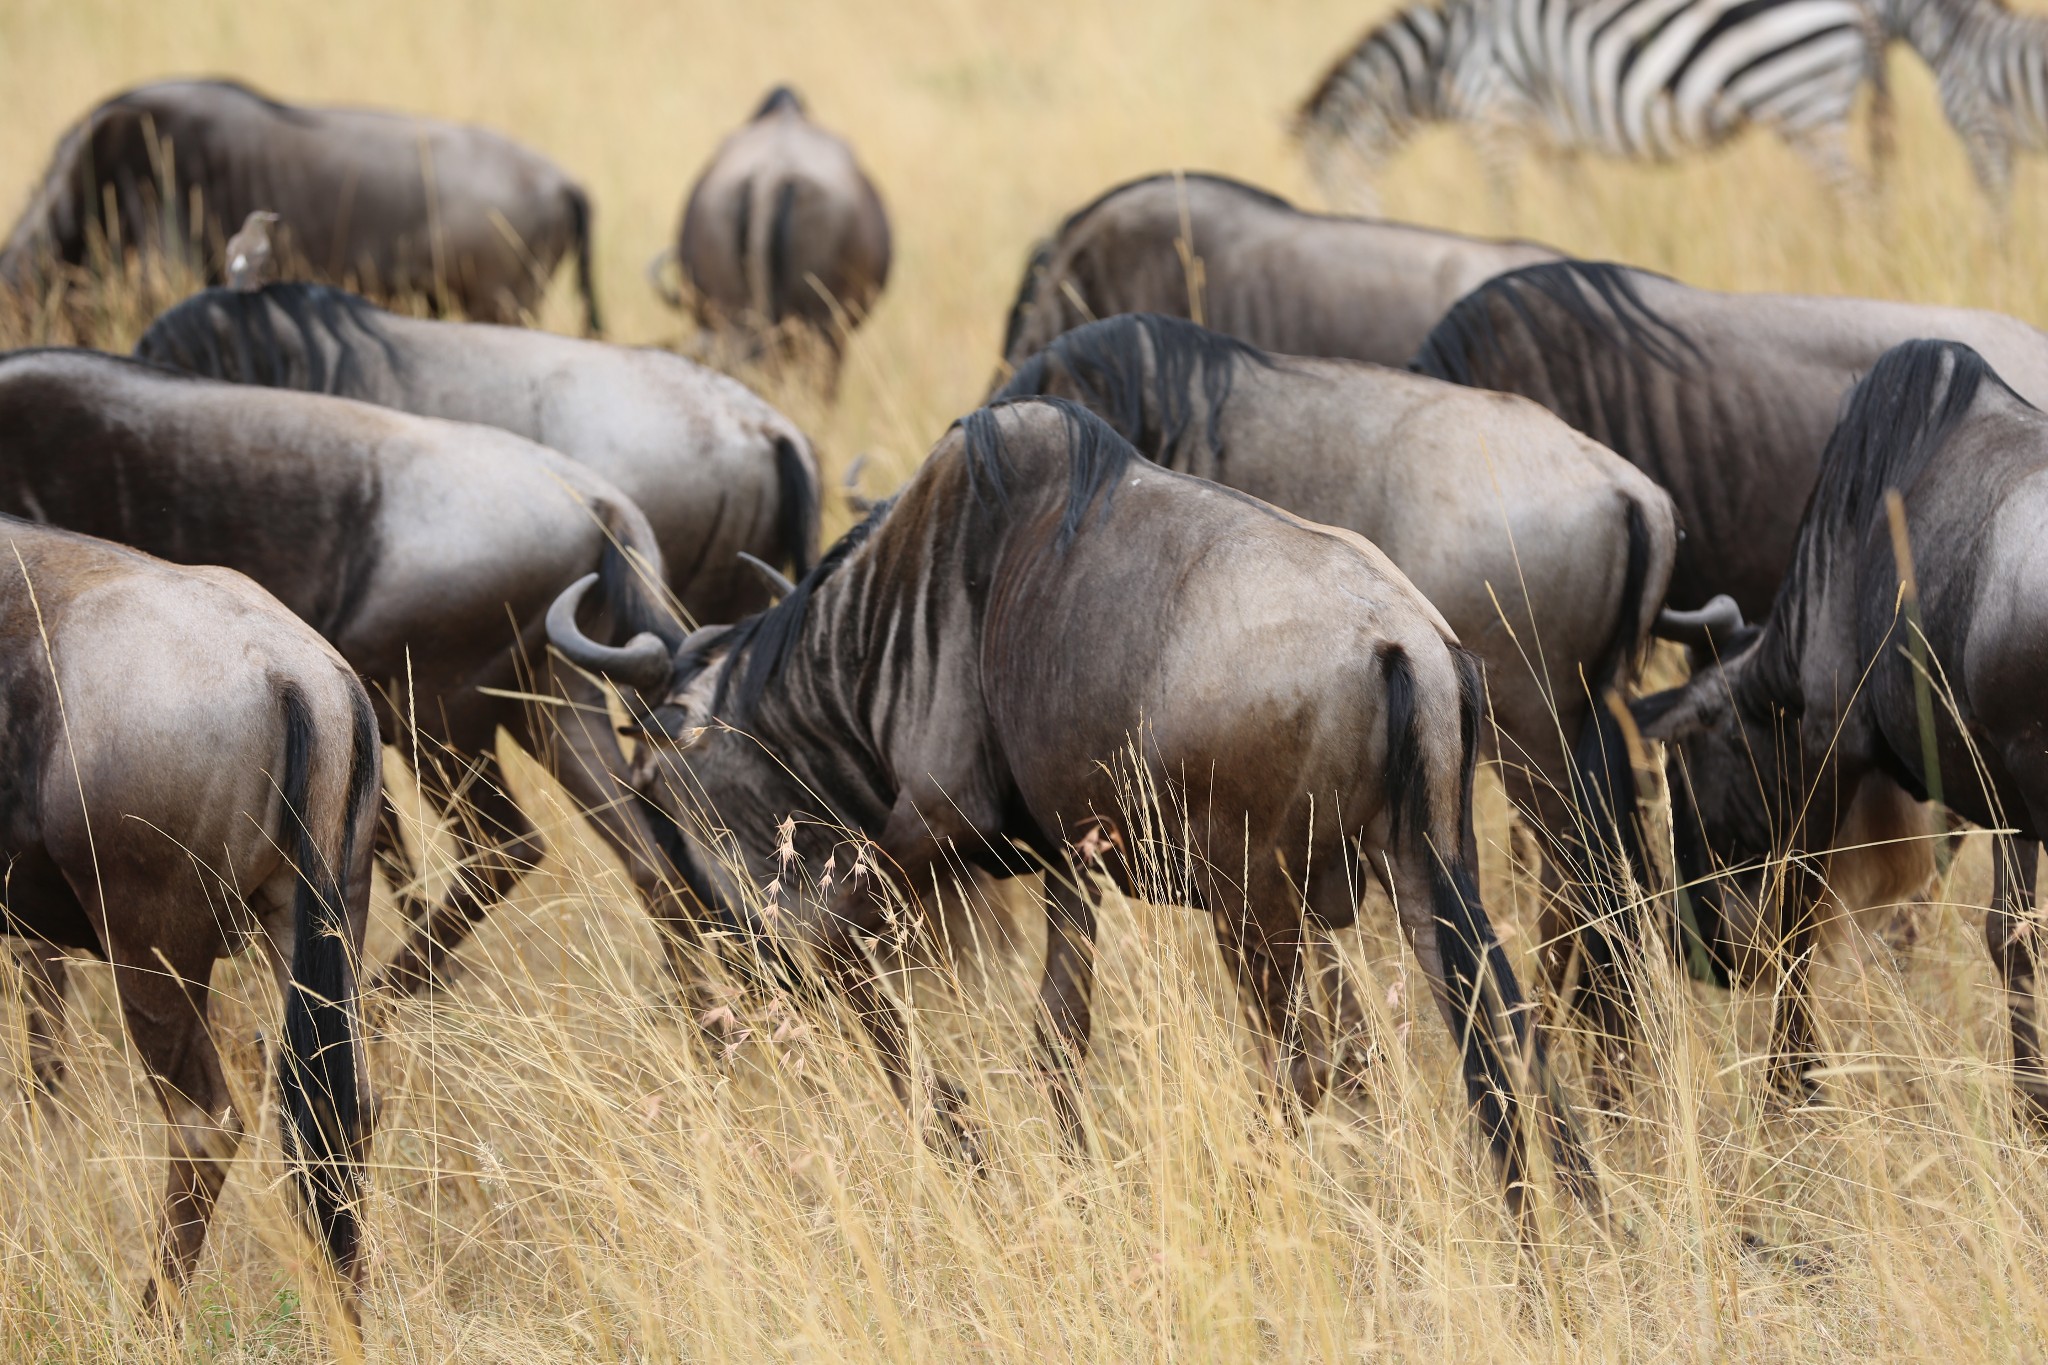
x,y
565,1175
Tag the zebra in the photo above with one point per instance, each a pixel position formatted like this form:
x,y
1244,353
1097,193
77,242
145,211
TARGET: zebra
x,y
1643,79
1991,66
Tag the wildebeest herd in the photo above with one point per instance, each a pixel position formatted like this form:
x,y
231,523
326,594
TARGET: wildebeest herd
x,y
1289,519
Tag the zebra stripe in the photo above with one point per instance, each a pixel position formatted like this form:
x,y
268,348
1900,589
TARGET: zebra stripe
x,y
1648,79
1991,67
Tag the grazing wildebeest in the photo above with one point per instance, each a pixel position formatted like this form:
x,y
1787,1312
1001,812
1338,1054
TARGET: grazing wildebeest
x,y
1546,553
1651,82
783,227
393,203
189,767
956,680
717,470
427,552
1249,264
1767,745
1727,401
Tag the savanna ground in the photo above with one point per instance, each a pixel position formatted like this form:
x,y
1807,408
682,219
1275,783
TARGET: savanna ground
x,y
564,1172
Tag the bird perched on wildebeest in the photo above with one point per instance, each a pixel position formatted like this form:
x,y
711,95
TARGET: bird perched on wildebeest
x,y
249,255
783,234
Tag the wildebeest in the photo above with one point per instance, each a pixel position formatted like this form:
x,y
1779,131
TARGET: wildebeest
x,y
954,684
1249,264
190,768
717,470
1920,661
394,203
1726,400
782,227
1546,554
427,552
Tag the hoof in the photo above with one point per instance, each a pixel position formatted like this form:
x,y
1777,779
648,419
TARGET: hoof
x,y
956,1138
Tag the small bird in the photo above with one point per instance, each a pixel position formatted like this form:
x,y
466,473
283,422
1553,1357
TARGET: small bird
x,y
249,257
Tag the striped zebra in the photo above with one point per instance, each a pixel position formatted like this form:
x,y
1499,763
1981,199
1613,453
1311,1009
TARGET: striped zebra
x,y
1645,79
1991,66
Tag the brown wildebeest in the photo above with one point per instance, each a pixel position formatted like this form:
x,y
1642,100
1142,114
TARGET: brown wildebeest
x,y
426,551
1924,666
392,203
1250,265
191,767
783,227
1546,553
953,686
716,469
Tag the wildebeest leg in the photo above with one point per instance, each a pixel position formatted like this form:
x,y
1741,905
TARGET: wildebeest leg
x,y
1349,1058
917,849
163,994
44,977
2012,933
1265,939
508,846
1065,994
1793,1045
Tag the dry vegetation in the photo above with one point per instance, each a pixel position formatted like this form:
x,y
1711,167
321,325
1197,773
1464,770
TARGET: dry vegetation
x,y
565,1173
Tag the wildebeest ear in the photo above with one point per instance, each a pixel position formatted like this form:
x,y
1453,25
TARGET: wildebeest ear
x,y
1681,711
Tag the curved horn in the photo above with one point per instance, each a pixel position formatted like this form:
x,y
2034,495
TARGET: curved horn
x,y
1718,619
777,581
642,662
672,297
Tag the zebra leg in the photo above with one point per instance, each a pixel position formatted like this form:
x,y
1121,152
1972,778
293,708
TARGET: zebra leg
x,y
1991,162
1499,147
1826,149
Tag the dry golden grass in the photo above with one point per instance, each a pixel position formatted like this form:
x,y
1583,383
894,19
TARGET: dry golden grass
x,y
563,1173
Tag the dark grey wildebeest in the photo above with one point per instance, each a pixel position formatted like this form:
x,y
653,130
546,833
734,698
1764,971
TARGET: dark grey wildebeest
x,y
392,203
717,470
427,552
1727,401
782,228
1768,744
1250,264
1546,553
189,767
957,679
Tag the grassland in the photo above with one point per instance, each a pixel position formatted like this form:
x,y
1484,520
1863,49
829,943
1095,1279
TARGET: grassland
x,y
565,1174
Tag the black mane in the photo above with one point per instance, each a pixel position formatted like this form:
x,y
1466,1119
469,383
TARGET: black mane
x,y
757,647
1598,301
1041,254
227,334
1896,419
1106,360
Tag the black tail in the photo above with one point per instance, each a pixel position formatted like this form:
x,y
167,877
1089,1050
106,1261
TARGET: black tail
x,y
1608,838
1489,1013
781,303
318,1078
797,488
586,281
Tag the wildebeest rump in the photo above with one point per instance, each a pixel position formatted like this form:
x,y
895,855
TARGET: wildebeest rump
x,y
782,226
1546,553
427,552
1726,400
189,767
393,203
955,681
1769,743
717,470
1249,264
